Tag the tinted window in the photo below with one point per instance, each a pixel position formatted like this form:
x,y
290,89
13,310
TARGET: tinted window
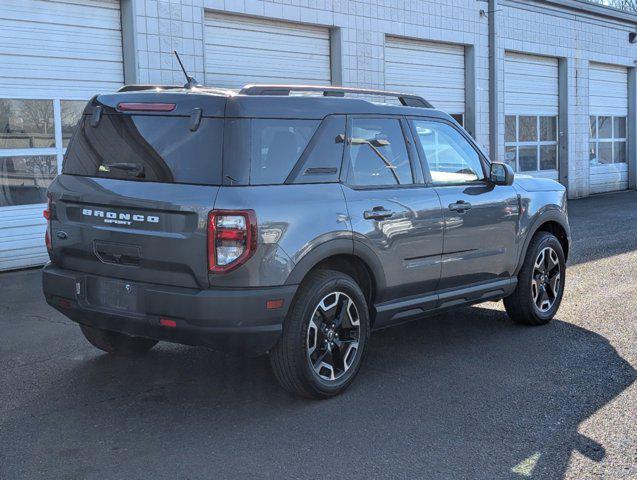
x,y
147,148
276,147
450,157
321,162
377,153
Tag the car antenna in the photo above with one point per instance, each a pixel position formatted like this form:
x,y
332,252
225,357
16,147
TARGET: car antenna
x,y
190,81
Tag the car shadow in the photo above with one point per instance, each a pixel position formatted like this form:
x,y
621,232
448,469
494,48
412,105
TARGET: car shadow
x,y
461,395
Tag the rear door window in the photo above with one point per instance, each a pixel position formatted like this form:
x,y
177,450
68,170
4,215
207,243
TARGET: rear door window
x,y
147,148
277,144
377,153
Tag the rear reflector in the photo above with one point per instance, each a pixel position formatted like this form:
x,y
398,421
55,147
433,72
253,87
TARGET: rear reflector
x,y
165,322
64,303
274,304
146,107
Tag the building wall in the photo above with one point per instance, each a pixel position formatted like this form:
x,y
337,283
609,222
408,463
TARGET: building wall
x,y
359,30
576,38
547,28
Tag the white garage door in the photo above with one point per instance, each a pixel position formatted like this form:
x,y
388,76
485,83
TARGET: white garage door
x,y
54,56
531,114
243,50
434,71
608,110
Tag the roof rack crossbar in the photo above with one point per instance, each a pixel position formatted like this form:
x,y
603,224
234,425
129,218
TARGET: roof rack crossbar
x,y
405,99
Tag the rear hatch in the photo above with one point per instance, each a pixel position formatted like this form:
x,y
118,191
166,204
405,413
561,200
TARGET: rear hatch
x,y
139,177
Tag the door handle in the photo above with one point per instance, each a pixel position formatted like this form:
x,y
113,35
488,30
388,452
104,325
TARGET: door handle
x,y
460,206
377,213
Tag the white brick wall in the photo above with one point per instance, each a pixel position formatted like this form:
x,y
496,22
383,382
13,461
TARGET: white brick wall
x,y
522,25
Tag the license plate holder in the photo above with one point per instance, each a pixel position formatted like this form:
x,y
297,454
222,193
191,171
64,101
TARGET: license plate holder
x,y
115,294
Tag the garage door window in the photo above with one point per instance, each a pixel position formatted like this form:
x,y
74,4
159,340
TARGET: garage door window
x,y
33,137
607,140
531,142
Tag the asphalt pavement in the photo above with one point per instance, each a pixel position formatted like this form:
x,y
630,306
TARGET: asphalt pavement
x,y
465,395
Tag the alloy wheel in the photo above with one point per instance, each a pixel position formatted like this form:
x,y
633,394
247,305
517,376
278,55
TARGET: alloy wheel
x,y
546,281
333,336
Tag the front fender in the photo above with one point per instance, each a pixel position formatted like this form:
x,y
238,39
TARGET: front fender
x,y
549,213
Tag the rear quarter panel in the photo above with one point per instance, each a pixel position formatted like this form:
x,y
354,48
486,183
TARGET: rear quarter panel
x,y
292,221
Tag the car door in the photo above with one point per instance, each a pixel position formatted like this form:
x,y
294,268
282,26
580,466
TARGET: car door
x,y
480,218
395,217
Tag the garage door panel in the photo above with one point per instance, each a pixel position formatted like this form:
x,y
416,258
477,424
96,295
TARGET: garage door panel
x,y
608,96
433,70
55,50
531,92
242,50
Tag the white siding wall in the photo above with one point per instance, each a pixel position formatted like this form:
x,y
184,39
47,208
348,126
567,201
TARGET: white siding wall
x,y
243,50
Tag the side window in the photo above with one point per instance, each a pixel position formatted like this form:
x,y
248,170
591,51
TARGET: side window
x,y
377,153
450,157
277,144
321,162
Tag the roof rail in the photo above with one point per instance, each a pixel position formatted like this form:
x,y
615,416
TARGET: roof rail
x,y
405,99
138,87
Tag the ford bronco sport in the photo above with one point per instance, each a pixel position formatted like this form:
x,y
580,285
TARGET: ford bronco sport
x,y
271,221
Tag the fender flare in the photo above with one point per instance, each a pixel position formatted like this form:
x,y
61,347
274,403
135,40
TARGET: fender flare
x,y
340,246
553,215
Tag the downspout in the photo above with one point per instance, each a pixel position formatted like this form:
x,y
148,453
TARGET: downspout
x,y
494,78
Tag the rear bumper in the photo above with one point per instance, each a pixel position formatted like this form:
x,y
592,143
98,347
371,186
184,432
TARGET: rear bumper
x,y
221,319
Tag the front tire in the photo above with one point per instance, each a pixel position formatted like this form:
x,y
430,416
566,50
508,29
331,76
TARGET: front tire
x,y
325,336
116,343
540,287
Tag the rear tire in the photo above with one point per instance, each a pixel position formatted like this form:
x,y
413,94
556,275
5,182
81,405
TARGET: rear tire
x,y
116,343
540,287
325,336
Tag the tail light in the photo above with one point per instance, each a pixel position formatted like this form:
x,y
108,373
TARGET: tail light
x,y
48,214
232,239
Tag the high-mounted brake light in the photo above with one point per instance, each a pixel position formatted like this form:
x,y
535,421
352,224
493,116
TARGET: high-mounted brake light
x,y
146,107
232,239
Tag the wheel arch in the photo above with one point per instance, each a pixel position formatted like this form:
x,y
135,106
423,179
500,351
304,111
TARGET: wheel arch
x,y
339,255
553,222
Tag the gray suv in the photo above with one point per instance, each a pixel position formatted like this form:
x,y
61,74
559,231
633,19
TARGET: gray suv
x,y
291,221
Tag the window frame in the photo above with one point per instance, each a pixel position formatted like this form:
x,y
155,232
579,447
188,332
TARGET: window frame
x,y
57,151
484,161
612,139
538,144
417,174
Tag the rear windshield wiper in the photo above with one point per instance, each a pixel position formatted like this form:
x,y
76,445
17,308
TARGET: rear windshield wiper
x,y
134,169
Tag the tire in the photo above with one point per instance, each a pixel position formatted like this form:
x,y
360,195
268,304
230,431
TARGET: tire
x,y
116,343
308,360
537,298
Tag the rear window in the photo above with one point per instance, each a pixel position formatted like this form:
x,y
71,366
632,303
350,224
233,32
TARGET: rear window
x,y
276,147
147,148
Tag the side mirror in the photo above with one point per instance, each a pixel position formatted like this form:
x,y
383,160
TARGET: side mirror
x,y
501,174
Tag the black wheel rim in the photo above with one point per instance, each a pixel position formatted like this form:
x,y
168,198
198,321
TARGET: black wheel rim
x,y
547,279
333,336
